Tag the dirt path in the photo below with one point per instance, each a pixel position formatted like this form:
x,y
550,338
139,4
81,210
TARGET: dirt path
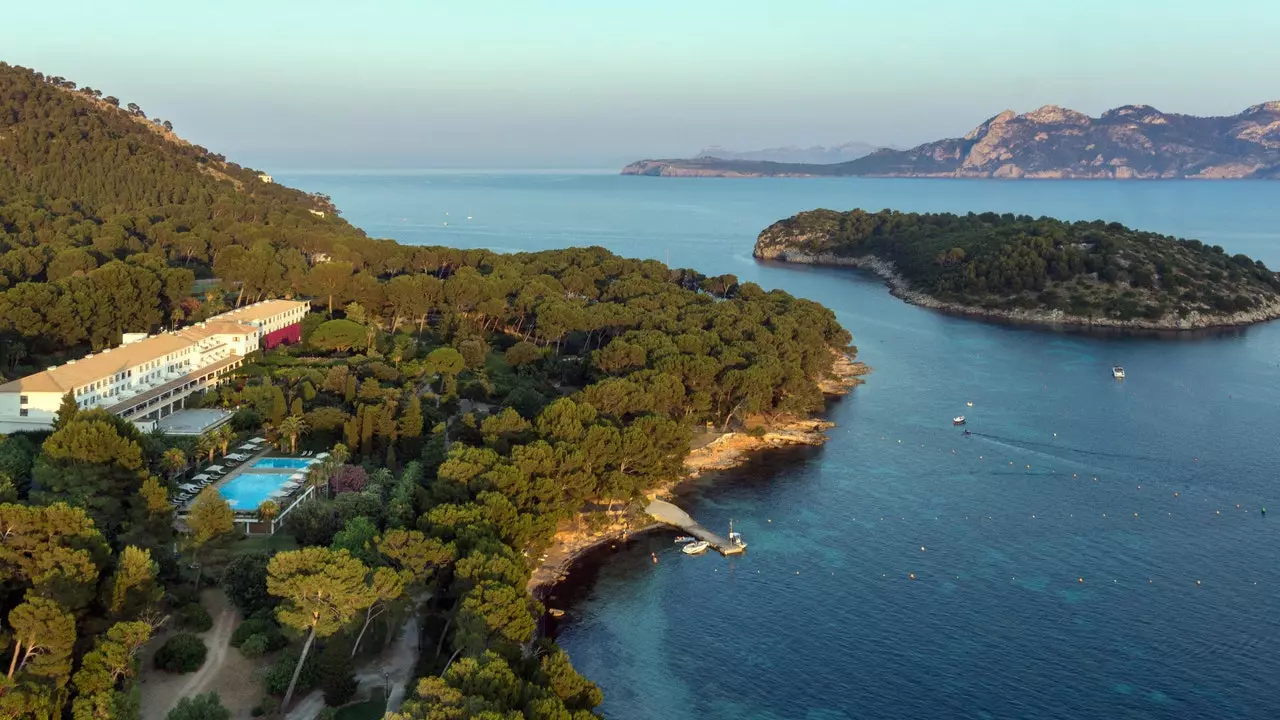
x,y
394,667
218,640
225,671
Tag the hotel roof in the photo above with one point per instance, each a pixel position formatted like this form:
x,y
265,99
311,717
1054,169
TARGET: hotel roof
x,y
261,310
94,367
75,373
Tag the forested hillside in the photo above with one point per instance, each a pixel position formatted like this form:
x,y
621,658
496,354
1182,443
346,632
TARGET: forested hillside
x,y
106,218
469,404
1007,262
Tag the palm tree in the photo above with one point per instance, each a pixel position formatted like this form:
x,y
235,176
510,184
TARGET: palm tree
x,y
267,512
224,435
206,445
340,454
292,427
173,461
318,475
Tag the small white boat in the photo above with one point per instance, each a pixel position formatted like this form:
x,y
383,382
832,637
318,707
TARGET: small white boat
x,y
681,539
695,548
1117,372
957,420
736,537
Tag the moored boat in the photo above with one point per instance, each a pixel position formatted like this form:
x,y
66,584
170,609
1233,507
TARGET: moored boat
x,y
957,420
1117,372
695,548
736,537
681,539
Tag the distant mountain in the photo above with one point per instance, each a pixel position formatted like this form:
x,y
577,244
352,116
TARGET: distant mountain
x,y
816,155
1132,141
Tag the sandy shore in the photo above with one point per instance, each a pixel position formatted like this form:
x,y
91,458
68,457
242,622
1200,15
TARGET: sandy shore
x,y
726,451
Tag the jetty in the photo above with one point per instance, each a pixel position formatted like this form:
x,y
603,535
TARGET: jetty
x,y
666,513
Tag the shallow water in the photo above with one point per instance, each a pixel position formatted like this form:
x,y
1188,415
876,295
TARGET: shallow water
x,y
1177,614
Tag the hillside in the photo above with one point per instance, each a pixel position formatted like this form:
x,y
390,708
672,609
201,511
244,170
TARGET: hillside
x,y
106,218
1133,141
817,154
1035,269
465,407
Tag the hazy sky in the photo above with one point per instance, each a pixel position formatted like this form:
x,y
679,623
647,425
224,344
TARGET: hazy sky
x,y
579,83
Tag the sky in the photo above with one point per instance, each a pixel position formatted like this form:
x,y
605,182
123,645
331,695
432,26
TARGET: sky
x,y
287,85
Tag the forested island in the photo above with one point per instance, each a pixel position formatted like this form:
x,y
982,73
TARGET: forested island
x,y
466,404
1035,269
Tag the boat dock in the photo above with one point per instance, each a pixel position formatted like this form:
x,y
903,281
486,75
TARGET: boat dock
x,y
669,514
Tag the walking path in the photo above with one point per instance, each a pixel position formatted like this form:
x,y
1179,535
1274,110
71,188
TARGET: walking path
x,y
225,671
397,662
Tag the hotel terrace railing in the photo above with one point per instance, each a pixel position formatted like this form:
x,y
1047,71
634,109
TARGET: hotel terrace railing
x,y
147,401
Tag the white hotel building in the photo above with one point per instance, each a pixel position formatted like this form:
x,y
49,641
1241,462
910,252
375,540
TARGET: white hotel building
x,y
149,376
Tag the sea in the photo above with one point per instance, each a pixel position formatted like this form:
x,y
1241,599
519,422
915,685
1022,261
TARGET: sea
x,y
1094,548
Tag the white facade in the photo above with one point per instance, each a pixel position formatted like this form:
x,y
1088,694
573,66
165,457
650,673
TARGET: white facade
x,y
147,377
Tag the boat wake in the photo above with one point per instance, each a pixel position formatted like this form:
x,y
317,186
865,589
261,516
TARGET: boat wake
x,y
1026,444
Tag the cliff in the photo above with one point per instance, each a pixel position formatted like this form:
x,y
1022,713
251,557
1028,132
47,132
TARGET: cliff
x,y
1128,142
1037,270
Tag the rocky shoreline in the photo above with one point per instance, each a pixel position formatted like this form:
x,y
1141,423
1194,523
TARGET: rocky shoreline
x,y
901,288
727,451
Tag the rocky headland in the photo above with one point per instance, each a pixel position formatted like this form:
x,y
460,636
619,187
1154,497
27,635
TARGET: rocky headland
x,y
1040,271
1127,142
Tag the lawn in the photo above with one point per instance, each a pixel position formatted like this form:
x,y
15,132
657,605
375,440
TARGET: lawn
x,y
372,709
279,542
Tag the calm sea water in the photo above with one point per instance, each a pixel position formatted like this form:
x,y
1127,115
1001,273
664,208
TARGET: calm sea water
x,y
1095,550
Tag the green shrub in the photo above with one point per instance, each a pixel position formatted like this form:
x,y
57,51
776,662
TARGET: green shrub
x,y
337,676
195,618
182,653
249,628
180,595
254,646
200,707
268,706
278,676
268,632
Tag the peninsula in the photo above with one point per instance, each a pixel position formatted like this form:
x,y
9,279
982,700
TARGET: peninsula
x,y
1037,270
443,414
1128,142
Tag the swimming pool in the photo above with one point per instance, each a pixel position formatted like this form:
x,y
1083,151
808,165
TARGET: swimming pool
x,y
246,491
283,464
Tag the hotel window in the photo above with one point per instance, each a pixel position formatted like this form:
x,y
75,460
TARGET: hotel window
x,y
22,412
22,399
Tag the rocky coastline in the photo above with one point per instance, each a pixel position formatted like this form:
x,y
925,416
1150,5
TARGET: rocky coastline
x,y
1130,142
900,288
725,452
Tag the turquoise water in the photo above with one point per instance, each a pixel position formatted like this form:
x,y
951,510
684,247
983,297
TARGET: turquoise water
x,y
282,464
1178,614
246,491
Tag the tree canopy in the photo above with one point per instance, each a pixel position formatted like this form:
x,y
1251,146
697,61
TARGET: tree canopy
x,y
993,261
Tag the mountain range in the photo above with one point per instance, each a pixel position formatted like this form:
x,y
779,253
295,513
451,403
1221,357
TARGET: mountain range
x,y
1131,141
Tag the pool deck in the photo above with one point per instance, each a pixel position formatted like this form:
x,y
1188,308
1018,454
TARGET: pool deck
x,y
247,467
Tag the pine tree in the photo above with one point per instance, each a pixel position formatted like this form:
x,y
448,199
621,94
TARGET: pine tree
x,y
67,411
